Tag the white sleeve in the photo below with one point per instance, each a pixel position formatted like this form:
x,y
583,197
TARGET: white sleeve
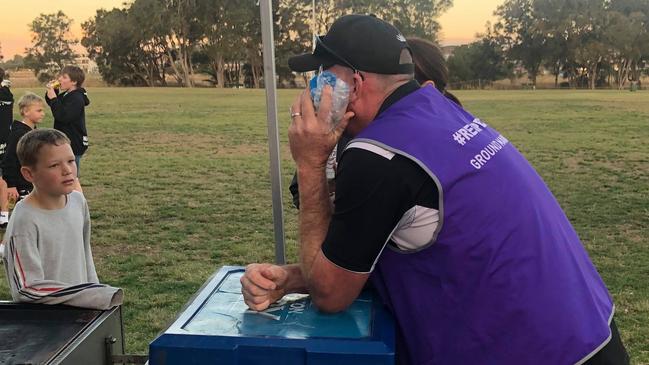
x,y
90,262
27,282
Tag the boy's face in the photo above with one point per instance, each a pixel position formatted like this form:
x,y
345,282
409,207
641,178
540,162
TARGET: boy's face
x,y
55,171
66,82
34,112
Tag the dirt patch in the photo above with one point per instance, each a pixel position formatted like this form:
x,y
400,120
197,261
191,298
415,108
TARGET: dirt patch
x,y
572,162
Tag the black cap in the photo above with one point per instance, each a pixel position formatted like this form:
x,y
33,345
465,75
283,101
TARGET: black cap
x,y
360,42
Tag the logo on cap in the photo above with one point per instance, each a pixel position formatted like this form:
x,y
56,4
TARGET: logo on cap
x,y
401,38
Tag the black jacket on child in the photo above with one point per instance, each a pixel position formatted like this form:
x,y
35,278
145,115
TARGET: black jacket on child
x,y
6,116
69,111
10,164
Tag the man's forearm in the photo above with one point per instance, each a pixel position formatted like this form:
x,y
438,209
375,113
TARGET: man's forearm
x,y
314,216
295,280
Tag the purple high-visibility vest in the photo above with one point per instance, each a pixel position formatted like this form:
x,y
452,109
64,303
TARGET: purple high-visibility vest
x,y
506,279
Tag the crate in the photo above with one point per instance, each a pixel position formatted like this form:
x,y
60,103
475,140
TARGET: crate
x,y
216,327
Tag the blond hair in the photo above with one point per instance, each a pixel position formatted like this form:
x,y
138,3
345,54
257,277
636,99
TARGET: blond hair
x,y
28,100
31,143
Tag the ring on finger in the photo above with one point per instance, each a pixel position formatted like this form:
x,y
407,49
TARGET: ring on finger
x,y
295,114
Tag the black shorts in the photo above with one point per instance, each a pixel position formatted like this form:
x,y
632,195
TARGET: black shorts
x,y
613,353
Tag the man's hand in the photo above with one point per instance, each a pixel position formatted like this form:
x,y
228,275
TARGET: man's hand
x,y
5,83
12,194
262,285
310,135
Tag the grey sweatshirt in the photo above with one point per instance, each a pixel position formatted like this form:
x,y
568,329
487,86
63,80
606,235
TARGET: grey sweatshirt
x,y
48,258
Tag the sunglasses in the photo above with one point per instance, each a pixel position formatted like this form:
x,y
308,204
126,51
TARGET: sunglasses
x,y
320,43
331,52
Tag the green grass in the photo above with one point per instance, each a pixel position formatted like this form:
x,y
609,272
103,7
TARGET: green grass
x,y
178,185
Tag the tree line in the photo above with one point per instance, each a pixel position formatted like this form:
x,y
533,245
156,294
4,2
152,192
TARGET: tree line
x,y
587,43
147,42
583,43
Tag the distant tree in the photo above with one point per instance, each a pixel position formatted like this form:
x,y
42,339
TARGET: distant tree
x,y
184,32
294,30
51,45
482,60
584,40
230,50
150,38
115,42
460,63
411,17
522,35
15,63
147,16
222,28
252,45
589,23
557,20
554,22
627,34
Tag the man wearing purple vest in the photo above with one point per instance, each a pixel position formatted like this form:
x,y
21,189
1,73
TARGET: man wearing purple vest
x,y
455,230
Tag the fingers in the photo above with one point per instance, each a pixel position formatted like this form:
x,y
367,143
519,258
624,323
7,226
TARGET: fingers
x,y
254,276
255,297
257,306
306,105
295,107
256,302
252,293
257,285
270,273
250,288
340,127
275,273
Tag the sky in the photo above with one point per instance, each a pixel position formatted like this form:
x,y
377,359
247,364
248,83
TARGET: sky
x,y
459,24
466,18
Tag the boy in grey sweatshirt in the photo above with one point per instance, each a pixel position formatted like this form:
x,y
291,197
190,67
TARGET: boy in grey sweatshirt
x,y
46,249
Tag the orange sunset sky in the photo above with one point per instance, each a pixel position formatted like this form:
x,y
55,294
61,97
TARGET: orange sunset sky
x,y
459,24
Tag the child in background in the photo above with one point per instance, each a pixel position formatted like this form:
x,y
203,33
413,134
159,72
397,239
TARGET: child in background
x,y
6,118
32,110
47,251
68,100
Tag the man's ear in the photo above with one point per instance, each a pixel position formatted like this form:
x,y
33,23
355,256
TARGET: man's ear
x,y
428,82
27,173
357,87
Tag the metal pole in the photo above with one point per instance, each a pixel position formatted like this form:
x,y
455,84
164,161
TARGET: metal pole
x,y
313,25
273,134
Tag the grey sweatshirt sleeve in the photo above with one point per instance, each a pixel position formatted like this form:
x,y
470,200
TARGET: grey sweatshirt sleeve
x,y
90,263
26,278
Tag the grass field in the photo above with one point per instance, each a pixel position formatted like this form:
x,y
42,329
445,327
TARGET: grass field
x,y
178,185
